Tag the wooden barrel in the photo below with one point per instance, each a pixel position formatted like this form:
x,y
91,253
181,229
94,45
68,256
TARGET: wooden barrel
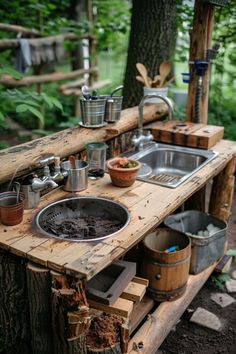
x,y
166,270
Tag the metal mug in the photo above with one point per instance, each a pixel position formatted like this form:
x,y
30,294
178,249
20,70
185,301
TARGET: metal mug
x,y
77,179
113,108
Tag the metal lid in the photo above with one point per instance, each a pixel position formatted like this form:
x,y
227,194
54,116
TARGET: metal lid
x,y
96,146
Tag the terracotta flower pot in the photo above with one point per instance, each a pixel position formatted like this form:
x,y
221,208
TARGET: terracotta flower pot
x,y
122,176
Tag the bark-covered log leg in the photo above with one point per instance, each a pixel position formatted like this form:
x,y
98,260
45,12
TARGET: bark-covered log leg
x,y
222,192
114,349
14,313
69,315
39,294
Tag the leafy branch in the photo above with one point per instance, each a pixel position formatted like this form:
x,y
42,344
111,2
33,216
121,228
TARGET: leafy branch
x,y
31,102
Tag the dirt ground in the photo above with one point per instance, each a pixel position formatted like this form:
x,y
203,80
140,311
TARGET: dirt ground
x,y
190,338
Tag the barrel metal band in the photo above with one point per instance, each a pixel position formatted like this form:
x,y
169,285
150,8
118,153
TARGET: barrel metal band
x,y
153,261
168,292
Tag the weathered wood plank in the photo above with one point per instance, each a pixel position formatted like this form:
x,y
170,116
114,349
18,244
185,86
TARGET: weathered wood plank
x,y
121,307
23,158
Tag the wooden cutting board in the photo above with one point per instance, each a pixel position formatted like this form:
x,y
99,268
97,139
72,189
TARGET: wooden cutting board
x,y
188,134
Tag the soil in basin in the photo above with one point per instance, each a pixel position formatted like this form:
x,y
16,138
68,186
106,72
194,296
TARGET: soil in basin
x,y
82,228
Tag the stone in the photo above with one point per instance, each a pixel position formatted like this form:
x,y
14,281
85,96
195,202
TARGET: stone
x,y
222,299
231,286
207,319
233,275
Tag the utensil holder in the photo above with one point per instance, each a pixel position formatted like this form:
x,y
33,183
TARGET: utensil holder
x,y
93,111
77,179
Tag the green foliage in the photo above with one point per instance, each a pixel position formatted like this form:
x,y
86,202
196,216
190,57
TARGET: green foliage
x,y
3,145
112,22
9,71
232,253
218,281
222,112
28,102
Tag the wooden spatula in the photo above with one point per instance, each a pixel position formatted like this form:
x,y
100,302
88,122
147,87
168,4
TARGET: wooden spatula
x,y
72,160
164,70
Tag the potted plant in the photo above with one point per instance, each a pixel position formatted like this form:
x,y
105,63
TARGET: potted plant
x,y
123,171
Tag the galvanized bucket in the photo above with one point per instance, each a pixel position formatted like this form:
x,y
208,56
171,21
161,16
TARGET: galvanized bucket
x,y
113,109
205,249
92,111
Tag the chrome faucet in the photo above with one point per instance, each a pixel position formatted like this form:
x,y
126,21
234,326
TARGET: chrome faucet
x,y
32,190
139,140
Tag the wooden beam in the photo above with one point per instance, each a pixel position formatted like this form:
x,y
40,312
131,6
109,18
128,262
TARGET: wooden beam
x,y
200,41
14,43
37,79
20,29
22,159
121,307
160,322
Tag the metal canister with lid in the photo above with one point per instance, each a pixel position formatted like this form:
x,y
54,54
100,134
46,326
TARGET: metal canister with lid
x,y
113,106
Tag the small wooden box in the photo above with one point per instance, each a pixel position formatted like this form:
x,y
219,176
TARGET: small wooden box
x,y
188,134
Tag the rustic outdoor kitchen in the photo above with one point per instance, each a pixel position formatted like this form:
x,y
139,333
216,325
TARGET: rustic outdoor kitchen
x,y
70,290
110,228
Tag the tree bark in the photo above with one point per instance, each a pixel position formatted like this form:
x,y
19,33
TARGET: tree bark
x,y
70,315
115,349
200,41
152,40
39,293
14,315
222,192
76,12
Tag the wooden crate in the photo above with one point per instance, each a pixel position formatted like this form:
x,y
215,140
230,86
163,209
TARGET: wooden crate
x,y
188,134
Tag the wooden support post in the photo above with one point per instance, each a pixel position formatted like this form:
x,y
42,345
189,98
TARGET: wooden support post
x,y
70,316
200,41
14,312
39,294
197,201
222,192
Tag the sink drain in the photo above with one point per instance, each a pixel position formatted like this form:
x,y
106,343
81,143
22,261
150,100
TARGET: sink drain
x,y
165,178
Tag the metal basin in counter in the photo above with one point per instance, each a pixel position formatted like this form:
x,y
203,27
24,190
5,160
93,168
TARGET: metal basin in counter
x,y
82,219
169,165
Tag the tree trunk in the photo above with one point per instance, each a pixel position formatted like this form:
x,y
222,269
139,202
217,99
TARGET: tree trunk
x,y
76,13
152,40
14,315
39,294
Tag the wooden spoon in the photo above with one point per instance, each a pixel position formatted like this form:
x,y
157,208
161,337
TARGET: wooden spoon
x,y
143,72
164,70
139,78
72,160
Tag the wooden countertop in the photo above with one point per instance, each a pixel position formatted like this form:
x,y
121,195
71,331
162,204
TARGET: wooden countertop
x,y
148,204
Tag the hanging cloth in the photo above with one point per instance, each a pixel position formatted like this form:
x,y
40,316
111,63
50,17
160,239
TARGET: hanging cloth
x,y
23,55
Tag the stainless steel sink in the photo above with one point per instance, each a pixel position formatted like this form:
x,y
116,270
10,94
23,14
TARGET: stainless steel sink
x,y
169,165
